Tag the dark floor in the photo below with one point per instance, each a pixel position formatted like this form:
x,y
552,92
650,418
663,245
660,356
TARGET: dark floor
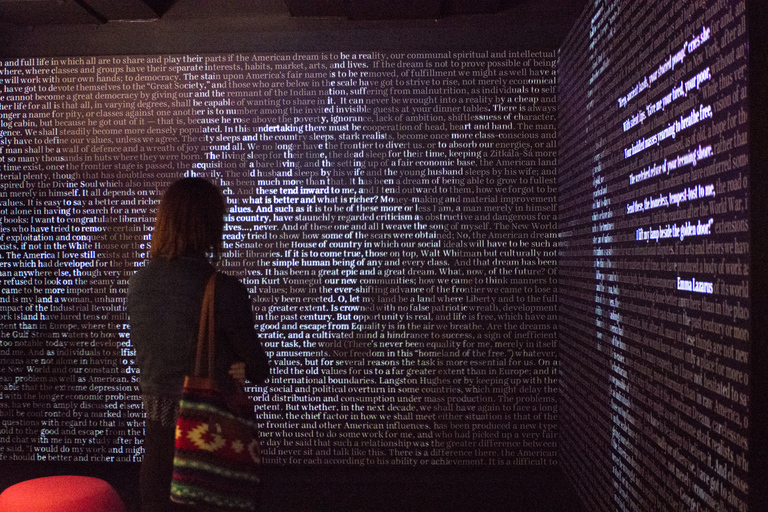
x,y
332,489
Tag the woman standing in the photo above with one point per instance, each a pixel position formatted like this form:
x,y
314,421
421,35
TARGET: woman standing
x,y
164,301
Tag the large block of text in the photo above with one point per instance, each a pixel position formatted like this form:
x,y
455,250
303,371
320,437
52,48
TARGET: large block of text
x,y
393,216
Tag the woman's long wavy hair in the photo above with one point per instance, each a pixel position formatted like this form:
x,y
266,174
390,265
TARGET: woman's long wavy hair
x,y
190,220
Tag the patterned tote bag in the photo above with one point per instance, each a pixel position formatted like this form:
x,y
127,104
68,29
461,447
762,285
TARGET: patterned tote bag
x,y
217,447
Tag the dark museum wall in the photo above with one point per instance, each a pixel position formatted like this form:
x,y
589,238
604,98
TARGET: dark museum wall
x,y
655,338
400,172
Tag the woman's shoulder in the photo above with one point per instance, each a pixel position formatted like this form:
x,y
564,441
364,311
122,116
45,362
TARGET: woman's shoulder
x,y
178,271
186,272
230,284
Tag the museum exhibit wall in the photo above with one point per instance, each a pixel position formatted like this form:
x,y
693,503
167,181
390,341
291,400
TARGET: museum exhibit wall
x,y
655,267
392,212
466,248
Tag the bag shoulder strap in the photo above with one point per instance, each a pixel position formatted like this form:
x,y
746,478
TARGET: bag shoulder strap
x,y
205,333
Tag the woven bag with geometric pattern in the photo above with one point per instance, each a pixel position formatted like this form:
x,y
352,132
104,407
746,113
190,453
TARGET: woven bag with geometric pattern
x,y
217,446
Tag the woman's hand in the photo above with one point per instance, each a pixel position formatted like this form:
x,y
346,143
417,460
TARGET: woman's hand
x,y
237,371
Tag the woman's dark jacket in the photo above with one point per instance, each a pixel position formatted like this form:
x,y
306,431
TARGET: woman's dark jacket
x,y
164,300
